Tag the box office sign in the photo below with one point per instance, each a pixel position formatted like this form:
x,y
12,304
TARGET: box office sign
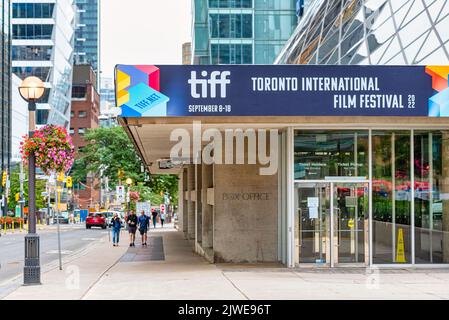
x,y
281,90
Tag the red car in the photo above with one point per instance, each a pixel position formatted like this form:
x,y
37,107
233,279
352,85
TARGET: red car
x,y
96,219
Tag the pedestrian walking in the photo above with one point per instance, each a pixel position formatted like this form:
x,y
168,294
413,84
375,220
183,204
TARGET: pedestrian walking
x,y
131,220
144,223
154,214
162,217
116,227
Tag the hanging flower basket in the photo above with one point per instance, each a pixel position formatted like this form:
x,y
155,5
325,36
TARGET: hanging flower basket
x,y
53,148
134,196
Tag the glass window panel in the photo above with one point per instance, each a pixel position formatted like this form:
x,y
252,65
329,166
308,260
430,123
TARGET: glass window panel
x,y
391,197
431,196
321,154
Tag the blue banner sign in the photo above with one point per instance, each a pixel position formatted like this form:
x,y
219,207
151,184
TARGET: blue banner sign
x,y
282,90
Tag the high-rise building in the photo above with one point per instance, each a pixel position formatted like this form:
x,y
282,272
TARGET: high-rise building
x,y
42,46
87,33
84,116
19,118
370,33
5,85
108,110
187,53
241,31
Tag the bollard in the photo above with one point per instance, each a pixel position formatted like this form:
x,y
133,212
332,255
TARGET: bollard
x,y
20,225
4,225
12,223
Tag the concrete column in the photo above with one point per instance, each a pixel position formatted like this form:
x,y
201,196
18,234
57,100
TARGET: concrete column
x,y
184,218
190,202
207,223
198,206
445,190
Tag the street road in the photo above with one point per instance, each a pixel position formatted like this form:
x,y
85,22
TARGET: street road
x,y
73,238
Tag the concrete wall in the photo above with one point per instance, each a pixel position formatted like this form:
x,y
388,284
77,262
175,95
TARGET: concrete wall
x,y
246,214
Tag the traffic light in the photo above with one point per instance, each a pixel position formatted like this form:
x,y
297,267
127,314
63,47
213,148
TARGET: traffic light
x,y
4,177
61,177
69,182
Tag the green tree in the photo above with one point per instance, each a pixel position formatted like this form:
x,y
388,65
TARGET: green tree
x,y
110,150
15,188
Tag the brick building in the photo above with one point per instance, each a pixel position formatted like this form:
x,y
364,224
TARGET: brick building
x,y
84,115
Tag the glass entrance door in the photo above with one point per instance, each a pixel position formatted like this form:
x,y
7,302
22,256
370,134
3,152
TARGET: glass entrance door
x,y
313,222
331,239
350,223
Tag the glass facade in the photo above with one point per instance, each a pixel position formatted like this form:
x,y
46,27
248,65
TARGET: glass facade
x,y
371,33
44,48
241,31
408,222
5,84
87,34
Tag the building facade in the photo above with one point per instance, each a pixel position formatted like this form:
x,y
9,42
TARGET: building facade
x,y
187,53
42,46
362,170
87,33
5,86
370,33
108,111
19,120
84,115
242,31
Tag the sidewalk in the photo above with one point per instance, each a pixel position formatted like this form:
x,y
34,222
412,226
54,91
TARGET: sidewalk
x,y
168,269
79,273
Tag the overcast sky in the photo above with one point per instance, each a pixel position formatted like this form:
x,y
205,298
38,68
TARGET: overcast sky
x,y
143,32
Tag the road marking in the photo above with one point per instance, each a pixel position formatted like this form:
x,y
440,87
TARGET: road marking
x,y
89,239
56,252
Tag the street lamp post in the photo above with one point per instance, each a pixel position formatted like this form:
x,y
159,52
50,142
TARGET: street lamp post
x,y
31,90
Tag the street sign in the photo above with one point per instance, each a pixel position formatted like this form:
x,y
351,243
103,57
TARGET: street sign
x,y
120,192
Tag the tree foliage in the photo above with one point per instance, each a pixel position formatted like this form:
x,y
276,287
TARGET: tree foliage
x,y
15,188
110,150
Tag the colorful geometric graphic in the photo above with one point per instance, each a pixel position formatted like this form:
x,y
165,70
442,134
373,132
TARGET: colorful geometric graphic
x,y
138,91
439,103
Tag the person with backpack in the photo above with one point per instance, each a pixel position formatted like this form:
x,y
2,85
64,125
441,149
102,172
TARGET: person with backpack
x,y
144,223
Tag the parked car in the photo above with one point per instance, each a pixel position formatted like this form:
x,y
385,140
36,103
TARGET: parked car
x,y
63,218
96,219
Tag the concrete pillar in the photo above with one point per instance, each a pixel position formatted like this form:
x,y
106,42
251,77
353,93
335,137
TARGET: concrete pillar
x,y
198,206
190,203
445,190
207,223
184,217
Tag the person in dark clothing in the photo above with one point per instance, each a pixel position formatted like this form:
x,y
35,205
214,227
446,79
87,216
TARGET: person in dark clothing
x,y
132,227
144,223
154,214
116,227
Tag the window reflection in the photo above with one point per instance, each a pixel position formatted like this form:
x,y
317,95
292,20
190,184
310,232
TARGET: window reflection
x,y
391,197
431,202
319,154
